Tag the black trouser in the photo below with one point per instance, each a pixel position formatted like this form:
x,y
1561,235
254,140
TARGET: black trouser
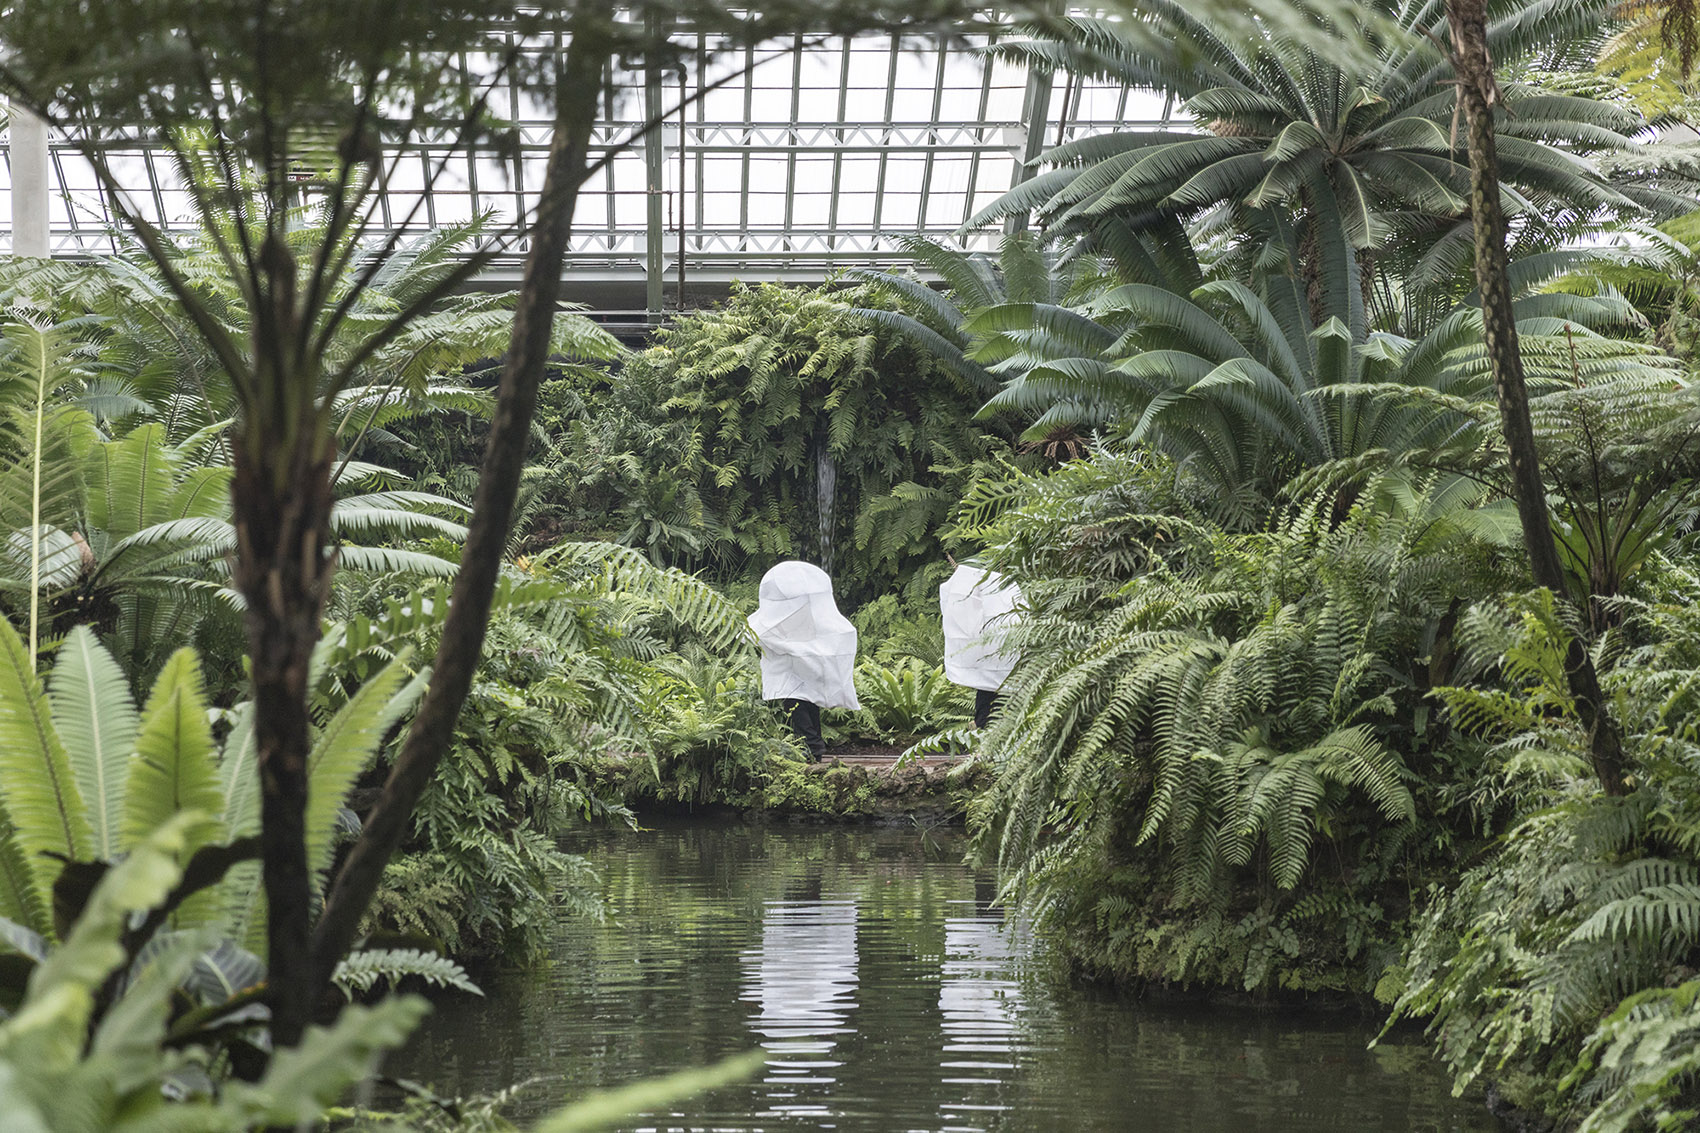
x,y
805,721
985,703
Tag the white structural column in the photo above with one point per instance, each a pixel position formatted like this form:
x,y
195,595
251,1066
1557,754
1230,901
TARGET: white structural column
x,y
654,159
28,155
1035,112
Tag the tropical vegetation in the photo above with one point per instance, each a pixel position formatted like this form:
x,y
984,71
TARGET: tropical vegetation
x,y
1343,442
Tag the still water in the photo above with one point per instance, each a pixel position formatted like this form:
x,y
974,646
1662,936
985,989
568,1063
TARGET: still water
x,y
889,996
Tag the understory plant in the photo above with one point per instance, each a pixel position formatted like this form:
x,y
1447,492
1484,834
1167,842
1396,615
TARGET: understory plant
x,y
127,836
711,737
583,664
910,698
1214,761
1562,968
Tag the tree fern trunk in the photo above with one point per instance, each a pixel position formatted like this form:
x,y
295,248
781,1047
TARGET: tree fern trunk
x,y
1478,93
1310,261
281,496
462,639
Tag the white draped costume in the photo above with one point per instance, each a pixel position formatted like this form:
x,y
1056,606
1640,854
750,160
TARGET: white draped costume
x,y
808,648
978,607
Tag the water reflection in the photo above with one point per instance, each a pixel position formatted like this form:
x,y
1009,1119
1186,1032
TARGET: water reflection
x,y
803,979
890,997
980,1001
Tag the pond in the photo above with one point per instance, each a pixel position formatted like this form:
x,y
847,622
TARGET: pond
x,y
889,995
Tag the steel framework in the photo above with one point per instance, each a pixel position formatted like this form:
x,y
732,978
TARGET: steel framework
x,y
786,163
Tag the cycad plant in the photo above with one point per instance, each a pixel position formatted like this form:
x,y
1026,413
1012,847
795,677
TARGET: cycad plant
x,y
1003,314
1362,142
133,535
38,361
89,780
909,698
1247,382
153,364
89,774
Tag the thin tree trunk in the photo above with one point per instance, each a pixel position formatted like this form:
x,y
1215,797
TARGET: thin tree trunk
x,y
281,495
826,496
462,641
1478,93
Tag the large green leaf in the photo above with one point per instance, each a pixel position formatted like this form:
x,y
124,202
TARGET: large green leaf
x,y
91,704
21,900
174,771
239,771
130,482
348,744
128,1039
391,560
37,788
239,775
144,878
18,1112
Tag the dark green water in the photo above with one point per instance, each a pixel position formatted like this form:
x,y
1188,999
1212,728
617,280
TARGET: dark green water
x,y
889,997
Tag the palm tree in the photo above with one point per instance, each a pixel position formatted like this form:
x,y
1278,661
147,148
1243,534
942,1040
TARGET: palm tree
x,y
1332,138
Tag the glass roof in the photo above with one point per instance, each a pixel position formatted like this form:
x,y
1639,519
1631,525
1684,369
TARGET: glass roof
x,y
797,159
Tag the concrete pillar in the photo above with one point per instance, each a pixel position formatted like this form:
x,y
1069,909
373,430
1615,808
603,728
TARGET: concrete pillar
x,y
28,155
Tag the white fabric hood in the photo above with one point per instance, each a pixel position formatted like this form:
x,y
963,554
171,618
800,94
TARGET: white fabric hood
x,y
808,648
978,607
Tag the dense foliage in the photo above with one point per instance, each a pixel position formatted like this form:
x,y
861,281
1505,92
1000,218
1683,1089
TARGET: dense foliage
x,y
780,424
1289,716
1202,718
1282,672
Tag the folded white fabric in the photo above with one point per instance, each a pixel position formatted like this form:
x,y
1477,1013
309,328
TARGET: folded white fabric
x,y
808,648
978,607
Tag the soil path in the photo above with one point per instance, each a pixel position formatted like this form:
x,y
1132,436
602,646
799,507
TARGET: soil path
x,y
878,755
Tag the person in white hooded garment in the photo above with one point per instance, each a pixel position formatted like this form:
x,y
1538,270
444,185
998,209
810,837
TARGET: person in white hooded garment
x,y
808,648
978,608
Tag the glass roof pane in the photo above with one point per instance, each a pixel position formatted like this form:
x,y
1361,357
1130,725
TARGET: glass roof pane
x,y
776,175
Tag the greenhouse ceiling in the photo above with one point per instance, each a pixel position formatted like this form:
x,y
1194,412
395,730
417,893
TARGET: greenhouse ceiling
x,y
796,160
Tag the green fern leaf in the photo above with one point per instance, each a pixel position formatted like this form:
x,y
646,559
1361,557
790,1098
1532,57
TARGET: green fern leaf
x,y
347,746
97,722
38,790
173,772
